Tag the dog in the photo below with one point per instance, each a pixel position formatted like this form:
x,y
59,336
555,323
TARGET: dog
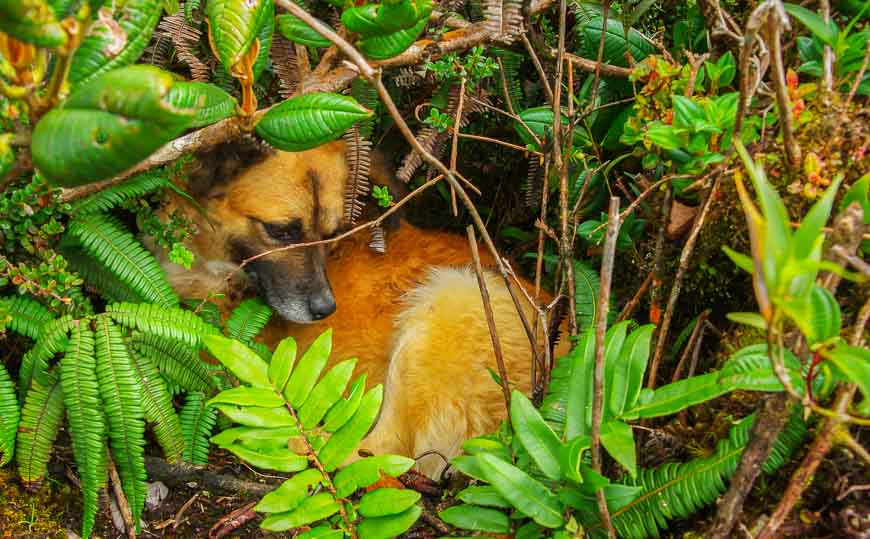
x,y
414,317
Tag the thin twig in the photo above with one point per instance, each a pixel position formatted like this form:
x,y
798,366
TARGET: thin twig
x,y
545,83
600,330
605,9
490,319
859,77
454,149
775,24
655,310
123,504
628,311
608,70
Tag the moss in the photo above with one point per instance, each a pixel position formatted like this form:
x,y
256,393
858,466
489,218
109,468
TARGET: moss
x,y
31,514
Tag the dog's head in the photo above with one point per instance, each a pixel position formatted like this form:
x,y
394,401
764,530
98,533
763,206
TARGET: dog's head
x,y
259,200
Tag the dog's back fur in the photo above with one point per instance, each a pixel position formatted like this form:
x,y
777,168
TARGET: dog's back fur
x,y
413,317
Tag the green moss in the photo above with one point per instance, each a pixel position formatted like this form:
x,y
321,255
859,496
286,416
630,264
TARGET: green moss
x,y
31,514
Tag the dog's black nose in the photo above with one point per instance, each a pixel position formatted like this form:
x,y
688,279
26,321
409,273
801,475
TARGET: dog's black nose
x,y
321,306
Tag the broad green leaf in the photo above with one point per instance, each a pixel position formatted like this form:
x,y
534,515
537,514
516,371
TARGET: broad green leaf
x,y
535,435
686,112
382,47
674,397
248,396
253,416
749,369
367,471
470,517
572,457
853,363
253,435
383,502
579,402
486,444
119,44
826,31
824,319
296,30
310,120
615,43
306,372
528,495
483,495
613,341
347,438
32,21
281,461
282,363
234,25
290,494
321,532
244,363
361,19
540,121
468,465
344,409
618,439
754,320
216,103
326,393
387,527
626,378
264,36
311,510
395,16
107,126
663,136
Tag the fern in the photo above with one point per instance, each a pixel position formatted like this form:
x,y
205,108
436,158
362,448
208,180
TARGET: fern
x,y
104,238
168,323
41,418
678,490
246,320
157,405
9,416
177,362
197,423
511,63
122,401
86,426
34,363
98,277
26,316
135,187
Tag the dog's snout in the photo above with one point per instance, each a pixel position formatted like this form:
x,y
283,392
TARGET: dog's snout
x,y
321,306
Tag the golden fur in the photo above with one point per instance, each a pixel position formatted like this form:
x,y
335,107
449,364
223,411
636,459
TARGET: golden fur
x,y
413,317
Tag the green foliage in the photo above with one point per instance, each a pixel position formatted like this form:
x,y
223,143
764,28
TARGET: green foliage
x,y
309,120
23,315
32,21
616,44
282,406
9,416
41,418
211,103
197,423
246,320
296,30
381,194
234,25
441,121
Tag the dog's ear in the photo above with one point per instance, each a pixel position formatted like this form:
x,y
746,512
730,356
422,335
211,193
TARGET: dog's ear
x,y
214,168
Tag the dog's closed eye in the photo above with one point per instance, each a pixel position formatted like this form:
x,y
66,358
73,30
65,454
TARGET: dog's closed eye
x,y
289,232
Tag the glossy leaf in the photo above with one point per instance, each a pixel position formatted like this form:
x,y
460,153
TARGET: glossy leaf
x,y
310,120
290,494
482,495
618,439
395,16
253,416
826,31
382,47
248,396
297,31
282,363
579,401
616,45
540,122
308,370
528,495
255,436
345,440
536,436
326,393
234,25
361,19
384,501
216,104
853,363
626,378
344,409
32,21
281,460
244,363
470,517
107,126
312,509
387,527
367,471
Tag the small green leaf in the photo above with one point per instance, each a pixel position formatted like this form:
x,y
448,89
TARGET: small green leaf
x,y
282,363
310,120
754,320
388,527
321,532
824,318
290,494
305,374
248,436
311,510
253,416
535,435
344,409
382,47
529,496
347,438
470,517
395,16
32,21
540,122
383,502
853,363
234,25
826,31
248,396
326,393
244,363
808,237
367,471
618,439
361,19
686,112
483,495
281,460
298,31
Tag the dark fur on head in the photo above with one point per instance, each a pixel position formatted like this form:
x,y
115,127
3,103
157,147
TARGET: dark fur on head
x,y
217,165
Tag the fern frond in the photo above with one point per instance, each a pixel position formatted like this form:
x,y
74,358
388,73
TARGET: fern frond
x,y
534,184
86,425
157,405
99,278
168,323
357,187
9,416
26,315
504,18
34,363
122,403
135,187
377,240
284,64
678,490
246,320
511,63
197,423
177,361
185,37
108,241
367,96
41,418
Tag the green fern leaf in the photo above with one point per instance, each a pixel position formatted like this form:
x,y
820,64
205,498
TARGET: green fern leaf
x,y
26,316
678,490
512,62
157,405
34,363
179,363
197,423
135,187
86,426
41,418
106,239
168,323
98,277
122,401
246,320
9,416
